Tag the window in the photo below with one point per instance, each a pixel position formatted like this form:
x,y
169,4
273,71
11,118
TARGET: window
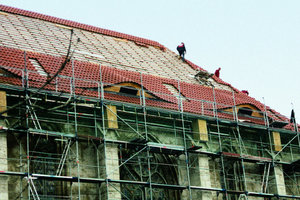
x,y
132,89
129,90
245,111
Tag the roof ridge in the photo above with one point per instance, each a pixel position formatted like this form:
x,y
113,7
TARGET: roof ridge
x,y
78,25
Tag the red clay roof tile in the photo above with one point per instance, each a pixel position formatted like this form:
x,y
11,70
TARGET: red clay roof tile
x,y
87,76
199,98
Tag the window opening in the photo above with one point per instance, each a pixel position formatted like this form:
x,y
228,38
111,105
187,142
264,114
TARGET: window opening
x,y
245,111
129,90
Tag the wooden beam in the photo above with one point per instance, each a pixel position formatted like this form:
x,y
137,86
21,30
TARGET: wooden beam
x,y
111,117
3,104
277,141
200,130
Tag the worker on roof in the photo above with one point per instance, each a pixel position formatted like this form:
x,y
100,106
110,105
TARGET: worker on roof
x,y
217,72
181,50
245,92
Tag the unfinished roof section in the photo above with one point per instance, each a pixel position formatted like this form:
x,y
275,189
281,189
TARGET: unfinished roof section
x,y
129,65
161,92
49,35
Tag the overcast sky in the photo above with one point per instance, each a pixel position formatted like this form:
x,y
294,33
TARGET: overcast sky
x,y
255,42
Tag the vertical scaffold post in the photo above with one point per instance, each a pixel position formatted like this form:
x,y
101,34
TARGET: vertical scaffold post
x,y
220,143
21,169
73,86
180,108
240,140
96,149
270,141
104,130
27,123
101,84
146,134
144,106
268,128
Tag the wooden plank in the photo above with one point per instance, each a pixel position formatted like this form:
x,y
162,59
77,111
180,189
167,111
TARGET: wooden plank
x,y
277,141
3,103
111,117
200,130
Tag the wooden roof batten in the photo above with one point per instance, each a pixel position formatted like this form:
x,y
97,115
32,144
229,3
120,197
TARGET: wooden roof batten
x,y
73,24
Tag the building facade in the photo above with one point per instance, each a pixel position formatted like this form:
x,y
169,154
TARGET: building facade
x,y
89,113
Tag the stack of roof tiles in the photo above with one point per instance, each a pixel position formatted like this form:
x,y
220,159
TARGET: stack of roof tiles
x,y
123,58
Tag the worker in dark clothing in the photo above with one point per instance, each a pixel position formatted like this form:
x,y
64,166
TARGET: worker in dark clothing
x,y
181,50
217,72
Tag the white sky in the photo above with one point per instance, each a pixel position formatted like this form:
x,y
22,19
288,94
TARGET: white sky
x,y
255,42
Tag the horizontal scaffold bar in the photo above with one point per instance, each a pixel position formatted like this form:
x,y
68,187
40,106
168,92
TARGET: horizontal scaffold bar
x,y
141,183
97,100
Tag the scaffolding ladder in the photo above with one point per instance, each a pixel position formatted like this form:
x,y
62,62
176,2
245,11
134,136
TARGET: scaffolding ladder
x,y
32,188
63,157
265,180
33,115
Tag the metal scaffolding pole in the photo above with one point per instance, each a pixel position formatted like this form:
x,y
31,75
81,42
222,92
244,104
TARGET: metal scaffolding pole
x,y
146,134
220,143
268,129
73,86
27,125
147,124
96,149
63,157
240,141
104,130
180,108
291,140
271,148
21,169
123,121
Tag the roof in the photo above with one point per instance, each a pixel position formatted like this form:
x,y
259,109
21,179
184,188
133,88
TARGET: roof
x,y
123,58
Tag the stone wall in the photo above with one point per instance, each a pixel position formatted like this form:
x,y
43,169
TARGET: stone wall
x,y
3,150
98,161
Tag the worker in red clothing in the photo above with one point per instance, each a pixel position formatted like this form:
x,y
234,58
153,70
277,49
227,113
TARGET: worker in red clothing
x,y
245,92
217,72
181,50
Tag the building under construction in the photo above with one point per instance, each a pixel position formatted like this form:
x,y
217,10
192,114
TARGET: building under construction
x,y
89,113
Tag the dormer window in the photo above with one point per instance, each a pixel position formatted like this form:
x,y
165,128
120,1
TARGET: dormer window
x,y
245,111
249,110
128,90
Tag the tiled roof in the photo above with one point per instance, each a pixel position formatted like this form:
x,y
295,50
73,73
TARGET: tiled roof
x,y
123,58
198,98
80,26
44,34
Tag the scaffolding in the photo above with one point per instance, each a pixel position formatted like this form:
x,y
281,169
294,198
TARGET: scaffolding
x,y
68,145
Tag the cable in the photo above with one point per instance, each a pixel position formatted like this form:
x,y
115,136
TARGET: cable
x,y
67,59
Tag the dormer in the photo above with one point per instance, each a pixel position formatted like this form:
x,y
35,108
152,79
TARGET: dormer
x,y
128,88
245,110
248,110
